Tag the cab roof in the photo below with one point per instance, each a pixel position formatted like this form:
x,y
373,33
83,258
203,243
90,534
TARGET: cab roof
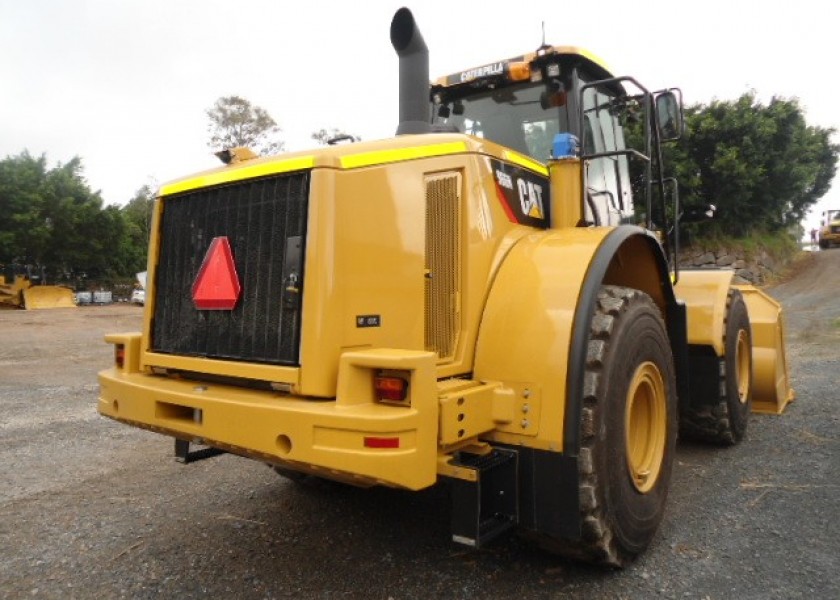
x,y
591,63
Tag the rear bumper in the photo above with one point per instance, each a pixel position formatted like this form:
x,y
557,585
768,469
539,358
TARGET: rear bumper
x,y
338,437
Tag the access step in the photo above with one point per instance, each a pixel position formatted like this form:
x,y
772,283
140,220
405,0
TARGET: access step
x,y
485,508
184,453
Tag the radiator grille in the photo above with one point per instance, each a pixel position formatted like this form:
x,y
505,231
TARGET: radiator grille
x,y
443,273
264,221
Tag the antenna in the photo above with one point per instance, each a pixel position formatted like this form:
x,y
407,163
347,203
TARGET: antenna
x,y
543,31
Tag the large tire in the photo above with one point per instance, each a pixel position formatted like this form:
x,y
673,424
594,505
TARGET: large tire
x,y
724,420
628,429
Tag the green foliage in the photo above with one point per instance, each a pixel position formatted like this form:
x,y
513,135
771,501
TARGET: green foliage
x,y
234,121
762,166
780,245
55,225
138,216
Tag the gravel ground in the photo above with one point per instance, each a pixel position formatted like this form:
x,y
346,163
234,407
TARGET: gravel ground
x,y
90,508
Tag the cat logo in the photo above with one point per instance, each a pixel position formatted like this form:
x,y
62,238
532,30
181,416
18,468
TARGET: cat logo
x,y
530,198
523,194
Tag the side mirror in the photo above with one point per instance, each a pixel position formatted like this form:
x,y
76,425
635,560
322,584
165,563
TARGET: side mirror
x,y
669,115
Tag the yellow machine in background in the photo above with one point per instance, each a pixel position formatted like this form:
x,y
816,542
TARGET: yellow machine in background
x,y
490,299
20,293
829,229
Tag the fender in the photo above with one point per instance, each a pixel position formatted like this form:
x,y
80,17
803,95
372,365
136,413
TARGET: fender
x,y
624,258
533,339
704,292
534,330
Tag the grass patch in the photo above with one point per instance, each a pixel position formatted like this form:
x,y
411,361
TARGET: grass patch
x,y
781,246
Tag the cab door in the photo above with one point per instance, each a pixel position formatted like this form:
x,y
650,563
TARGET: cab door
x,y
608,198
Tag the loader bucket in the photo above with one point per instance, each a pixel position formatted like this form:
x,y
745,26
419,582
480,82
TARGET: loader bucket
x,y
48,296
771,382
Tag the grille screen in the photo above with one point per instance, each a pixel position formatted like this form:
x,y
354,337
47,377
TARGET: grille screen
x,y
443,276
264,221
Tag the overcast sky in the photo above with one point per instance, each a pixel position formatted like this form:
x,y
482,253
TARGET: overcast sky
x,y
124,84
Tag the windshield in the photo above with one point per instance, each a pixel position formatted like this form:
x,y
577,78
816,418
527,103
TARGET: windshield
x,y
523,117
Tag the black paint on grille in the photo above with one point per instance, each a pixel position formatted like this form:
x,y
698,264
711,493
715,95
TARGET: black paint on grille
x,y
264,220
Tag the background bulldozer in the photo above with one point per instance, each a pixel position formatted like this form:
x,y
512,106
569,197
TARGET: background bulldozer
x,y
17,291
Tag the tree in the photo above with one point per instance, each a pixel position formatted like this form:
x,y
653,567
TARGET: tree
x,y
236,122
323,136
762,165
55,225
138,217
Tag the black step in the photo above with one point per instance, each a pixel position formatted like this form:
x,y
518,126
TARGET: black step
x,y
486,508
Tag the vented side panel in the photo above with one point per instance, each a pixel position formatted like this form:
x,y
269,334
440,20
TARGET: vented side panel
x,y
443,263
264,221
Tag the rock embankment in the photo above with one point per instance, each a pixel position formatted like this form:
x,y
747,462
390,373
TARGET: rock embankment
x,y
758,268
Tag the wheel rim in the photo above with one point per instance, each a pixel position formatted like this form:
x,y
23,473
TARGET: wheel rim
x,y
742,362
646,426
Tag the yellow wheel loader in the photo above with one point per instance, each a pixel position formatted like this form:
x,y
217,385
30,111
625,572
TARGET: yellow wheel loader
x,y
490,299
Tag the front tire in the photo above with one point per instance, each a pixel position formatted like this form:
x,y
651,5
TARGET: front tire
x,y
724,420
628,429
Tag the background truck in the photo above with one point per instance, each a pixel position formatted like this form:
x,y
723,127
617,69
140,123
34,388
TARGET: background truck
x,y
490,299
829,229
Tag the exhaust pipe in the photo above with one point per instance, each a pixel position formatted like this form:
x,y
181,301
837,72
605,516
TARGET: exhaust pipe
x,y
415,110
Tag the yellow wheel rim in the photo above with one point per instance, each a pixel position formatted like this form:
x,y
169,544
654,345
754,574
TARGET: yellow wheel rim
x,y
742,366
646,426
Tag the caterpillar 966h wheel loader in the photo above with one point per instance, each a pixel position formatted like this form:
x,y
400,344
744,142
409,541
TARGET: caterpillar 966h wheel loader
x,y
473,301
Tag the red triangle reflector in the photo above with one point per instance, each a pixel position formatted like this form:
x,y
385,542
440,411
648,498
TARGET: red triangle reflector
x,y
216,287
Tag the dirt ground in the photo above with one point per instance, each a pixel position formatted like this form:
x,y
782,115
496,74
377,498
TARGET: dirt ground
x,y
93,509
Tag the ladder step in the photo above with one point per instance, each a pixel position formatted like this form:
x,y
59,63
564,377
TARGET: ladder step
x,y
183,454
484,509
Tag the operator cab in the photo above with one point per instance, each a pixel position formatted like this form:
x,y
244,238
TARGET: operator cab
x,y
523,103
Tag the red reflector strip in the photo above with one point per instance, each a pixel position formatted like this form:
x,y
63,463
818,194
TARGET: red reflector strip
x,y
119,355
382,442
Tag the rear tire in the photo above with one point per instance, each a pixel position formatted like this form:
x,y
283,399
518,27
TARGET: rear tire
x,y
724,420
628,429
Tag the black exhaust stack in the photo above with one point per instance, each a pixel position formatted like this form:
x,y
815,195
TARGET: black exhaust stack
x,y
415,110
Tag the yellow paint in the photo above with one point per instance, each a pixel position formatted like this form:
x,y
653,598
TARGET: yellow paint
x,y
20,293
524,161
526,330
704,293
566,192
239,172
771,381
381,157
329,435
48,296
645,426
